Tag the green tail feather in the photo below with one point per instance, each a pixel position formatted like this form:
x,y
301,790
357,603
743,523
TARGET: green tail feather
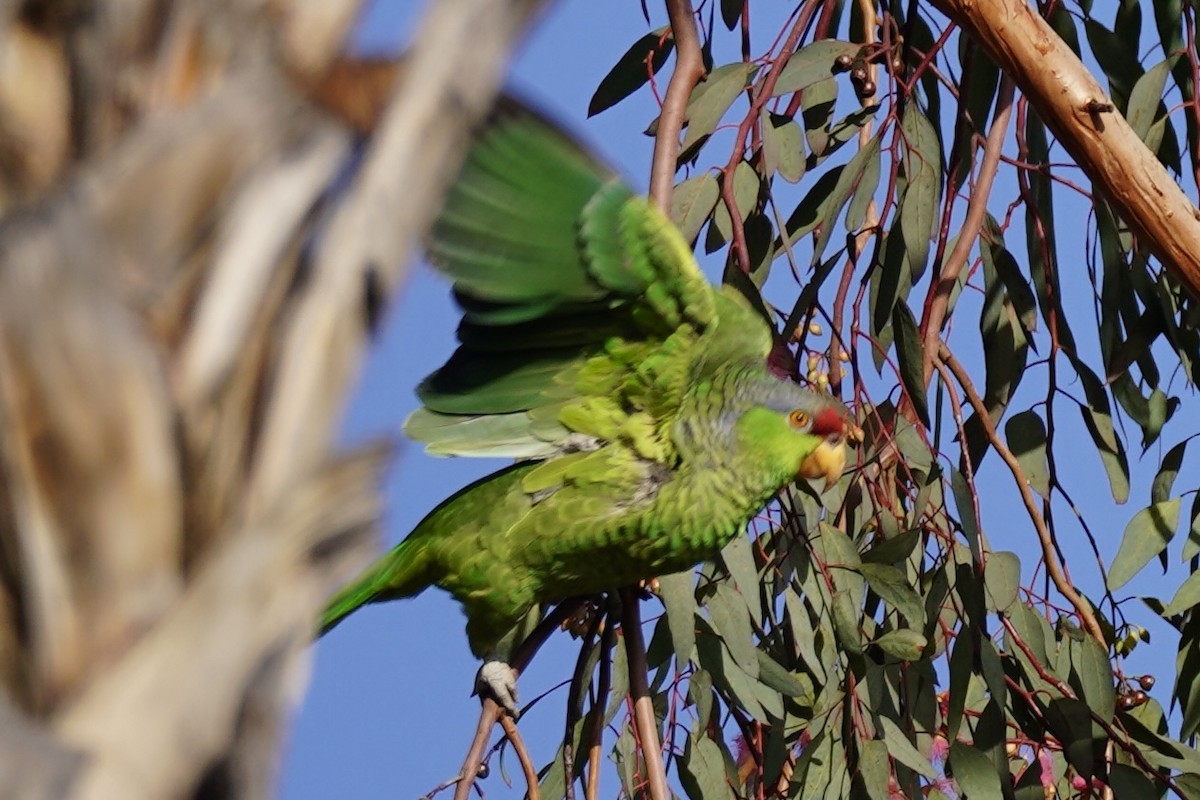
x,y
400,573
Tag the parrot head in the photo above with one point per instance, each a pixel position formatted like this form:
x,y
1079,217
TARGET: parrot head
x,y
833,428
799,432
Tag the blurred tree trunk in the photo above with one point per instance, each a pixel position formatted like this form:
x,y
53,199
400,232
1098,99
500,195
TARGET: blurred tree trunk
x,y
203,206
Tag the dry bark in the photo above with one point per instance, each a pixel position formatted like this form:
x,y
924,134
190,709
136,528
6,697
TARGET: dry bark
x,y
188,279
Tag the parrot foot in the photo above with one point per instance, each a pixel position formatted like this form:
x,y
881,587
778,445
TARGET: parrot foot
x,y
496,680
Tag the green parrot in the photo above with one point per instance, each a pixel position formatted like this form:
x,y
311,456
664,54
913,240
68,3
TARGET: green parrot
x,y
635,396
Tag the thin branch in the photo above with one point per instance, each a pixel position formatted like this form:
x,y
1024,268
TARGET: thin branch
x,y
639,689
1053,567
530,772
941,289
689,70
491,711
603,686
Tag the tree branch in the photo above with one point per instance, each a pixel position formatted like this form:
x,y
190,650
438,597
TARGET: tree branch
x,y
1049,556
953,264
645,722
689,69
1070,101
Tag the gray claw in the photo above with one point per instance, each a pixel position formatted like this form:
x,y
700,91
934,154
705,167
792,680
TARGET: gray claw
x,y
496,680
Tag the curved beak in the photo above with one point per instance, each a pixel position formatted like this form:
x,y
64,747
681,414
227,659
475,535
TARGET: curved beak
x,y
827,461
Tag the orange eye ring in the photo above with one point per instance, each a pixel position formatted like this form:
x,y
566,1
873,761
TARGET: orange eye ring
x,y
798,419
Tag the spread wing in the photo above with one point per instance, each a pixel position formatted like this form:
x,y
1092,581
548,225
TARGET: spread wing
x,y
585,315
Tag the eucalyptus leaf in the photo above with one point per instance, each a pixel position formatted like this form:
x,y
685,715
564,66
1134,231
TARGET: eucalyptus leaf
x,y
1146,535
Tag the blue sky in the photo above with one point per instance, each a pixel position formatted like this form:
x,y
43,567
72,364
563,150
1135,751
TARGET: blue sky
x,y
389,712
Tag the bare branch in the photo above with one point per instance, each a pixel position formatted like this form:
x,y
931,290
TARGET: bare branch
x,y
643,704
689,70
956,260
1049,556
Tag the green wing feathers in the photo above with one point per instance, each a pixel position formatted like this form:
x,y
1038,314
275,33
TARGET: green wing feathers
x,y
583,307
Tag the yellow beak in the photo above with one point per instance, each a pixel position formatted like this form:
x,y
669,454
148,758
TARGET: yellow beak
x,y
827,462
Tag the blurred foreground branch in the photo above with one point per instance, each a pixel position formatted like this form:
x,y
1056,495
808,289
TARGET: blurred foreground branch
x,y
190,265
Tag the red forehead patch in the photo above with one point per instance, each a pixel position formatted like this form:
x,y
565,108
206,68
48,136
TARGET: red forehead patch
x,y
828,421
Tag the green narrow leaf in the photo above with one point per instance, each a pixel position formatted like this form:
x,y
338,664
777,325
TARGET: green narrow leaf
x,y
811,64
713,98
1026,434
864,193
629,73
962,666
901,749
770,143
891,584
809,211
731,12
1191,548
1186,596
847,181
904,644
911,354
700,692
1164,479
1146,535
625,756
1097,417
894,550
677,592
1070,720
702,769
846,615
974,772
692,202
731,620
1111,51
1095,677
875,768
923,170
845,130
774,675
1129,783
890,283
1001,579
738,557
981,78
789,137
963,500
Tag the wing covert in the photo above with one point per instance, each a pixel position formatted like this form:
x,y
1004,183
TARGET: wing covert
x,y
585,315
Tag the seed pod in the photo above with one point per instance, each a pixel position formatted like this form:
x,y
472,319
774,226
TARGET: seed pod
x,y
858,74
866,89
842,63
1146,682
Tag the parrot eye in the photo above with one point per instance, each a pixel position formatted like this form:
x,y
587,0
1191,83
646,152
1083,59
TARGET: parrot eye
x,y
798,419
